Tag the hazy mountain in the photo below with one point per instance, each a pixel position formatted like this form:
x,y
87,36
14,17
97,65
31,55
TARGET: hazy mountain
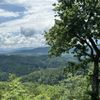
x,y
32,51
41,51
23,61
25,51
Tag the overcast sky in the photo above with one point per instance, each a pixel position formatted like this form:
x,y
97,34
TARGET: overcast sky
x,y
22,22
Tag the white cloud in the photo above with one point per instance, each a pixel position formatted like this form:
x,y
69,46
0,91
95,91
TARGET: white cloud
x,y
4,13
39,16
14,41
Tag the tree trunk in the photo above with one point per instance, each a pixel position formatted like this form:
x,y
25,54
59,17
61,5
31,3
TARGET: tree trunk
x,y
95,81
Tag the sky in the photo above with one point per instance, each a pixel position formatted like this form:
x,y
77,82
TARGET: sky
x,y
23,22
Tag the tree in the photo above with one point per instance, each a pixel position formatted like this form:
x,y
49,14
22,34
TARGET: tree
x,y
77,25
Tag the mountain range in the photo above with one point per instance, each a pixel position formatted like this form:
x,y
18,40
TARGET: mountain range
x,y
23,61
25,51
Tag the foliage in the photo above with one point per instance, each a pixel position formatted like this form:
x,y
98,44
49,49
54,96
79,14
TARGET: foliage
x,y
77,26
22,65
76,87
72,88
77,23
45,76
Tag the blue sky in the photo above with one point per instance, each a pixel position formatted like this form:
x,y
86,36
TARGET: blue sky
x,y
22,22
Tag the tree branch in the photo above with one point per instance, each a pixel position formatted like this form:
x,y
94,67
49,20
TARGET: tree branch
x,y
94,46
84,40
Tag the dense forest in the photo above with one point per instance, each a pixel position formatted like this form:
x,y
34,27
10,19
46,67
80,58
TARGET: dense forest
x,y
40,77
22,64
48,84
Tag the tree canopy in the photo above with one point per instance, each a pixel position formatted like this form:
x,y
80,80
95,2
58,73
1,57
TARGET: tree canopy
x,y
77,26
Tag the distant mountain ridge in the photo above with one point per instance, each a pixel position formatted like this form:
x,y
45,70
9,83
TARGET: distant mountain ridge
x,y
40,51
25,51
24,61
32,51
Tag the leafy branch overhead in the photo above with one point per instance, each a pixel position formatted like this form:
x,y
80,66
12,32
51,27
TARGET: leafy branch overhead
x,y
77,25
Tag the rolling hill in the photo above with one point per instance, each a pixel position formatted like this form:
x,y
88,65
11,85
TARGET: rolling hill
x,y
26,60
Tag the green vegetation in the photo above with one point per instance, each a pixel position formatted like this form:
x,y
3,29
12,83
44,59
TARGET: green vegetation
x,y
72,88
77,26
22,65
45,76
49,84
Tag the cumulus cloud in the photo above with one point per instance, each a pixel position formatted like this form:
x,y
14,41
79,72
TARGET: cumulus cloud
x,y
39,15
37,18
11,40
